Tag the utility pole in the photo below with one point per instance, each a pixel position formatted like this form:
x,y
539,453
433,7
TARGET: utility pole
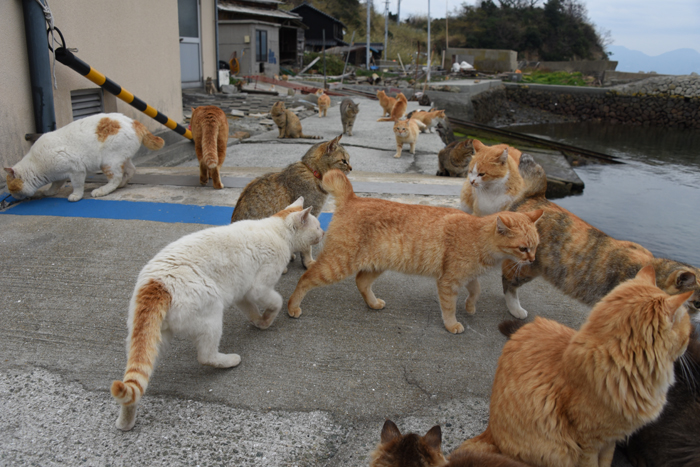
x,y
386,29
398,13
367,44
428,54
447,34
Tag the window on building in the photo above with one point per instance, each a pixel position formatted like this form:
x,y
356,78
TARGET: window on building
x,y
260,46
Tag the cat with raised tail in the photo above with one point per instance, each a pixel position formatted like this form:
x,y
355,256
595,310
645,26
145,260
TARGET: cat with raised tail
x,y
102,142
412,450
368,236
387,102
185,289
210,135
493,180
563,398
398,110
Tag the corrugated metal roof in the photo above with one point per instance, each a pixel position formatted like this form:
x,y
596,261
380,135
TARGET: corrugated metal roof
x,y
258,11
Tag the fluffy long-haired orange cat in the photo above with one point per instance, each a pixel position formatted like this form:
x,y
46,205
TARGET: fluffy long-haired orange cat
x,y
368,236
493,180
562,398
398,110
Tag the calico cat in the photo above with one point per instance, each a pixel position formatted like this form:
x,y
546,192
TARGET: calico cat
x,y
287,122
324,103
387,102
493,180
210,134
411,450
406,132
398,110
270,193
368,236
673,440
348,113
429,119
105,142
185,289
453,159
580,260
562,398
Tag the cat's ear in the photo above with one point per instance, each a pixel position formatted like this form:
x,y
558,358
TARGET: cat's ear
x,y
298,203
535,215
503,158
502,226
390,432
684,279
304,215
9,170
675,304
647,274
478,145
434,437
333,144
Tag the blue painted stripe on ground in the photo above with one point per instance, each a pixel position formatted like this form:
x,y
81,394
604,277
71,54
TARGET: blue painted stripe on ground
x,y
131,210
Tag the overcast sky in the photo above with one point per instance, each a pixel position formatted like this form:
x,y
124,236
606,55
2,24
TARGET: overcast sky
x,y
650,26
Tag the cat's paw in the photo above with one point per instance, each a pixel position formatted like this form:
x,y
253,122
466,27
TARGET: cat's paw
x,y
294,312
98,192
470,307
456,328
223,360
518,312
396,156
308,263
378,305
127,417
73,197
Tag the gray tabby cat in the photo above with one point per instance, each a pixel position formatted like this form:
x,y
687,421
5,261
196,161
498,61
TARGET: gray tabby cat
x,y
348,112
271,192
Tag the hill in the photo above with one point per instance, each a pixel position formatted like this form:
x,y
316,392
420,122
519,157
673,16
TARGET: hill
x,y
675,62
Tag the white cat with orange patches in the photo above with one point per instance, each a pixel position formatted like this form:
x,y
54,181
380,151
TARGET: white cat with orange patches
x,y
105,142
185,289
493,179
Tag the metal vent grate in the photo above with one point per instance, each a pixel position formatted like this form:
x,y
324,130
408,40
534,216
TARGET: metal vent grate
x,y
86,102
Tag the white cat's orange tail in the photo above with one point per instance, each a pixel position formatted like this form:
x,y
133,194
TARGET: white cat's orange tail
x,y
152,303
336,183
147,138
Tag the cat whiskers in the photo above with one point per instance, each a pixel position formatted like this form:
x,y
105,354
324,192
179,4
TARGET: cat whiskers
x,y
686,364
517,266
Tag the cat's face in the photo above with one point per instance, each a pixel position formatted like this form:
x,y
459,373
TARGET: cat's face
x,y
353,109
329,155
16,185
401,129
488,165
278,108
517,237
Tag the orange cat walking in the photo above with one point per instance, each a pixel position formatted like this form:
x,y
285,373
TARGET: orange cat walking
x,y
368,236
324,103
562,398
210,134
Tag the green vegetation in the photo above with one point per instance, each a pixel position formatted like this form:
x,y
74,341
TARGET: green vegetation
x,y
334,63
550,30
556,77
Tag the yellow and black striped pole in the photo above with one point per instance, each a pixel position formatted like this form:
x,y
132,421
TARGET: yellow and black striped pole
x,y
66,57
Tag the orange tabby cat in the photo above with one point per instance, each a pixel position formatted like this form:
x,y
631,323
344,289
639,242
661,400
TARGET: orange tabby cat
x,y
429,119
562,398
406,132
386,102
398,110
397,450
324,103
210,134
368,236
493,180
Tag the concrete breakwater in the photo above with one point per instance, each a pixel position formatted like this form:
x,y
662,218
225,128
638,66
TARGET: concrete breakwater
x,y
670,101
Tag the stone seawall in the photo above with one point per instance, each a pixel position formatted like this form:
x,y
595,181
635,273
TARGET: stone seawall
x,y
672,101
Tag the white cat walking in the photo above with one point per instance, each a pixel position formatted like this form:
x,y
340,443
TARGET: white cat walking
x,y
186,287
105,142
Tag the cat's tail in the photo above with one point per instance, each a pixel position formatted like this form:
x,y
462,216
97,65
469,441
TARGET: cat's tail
x,y
336,183
152,303
310,137
510,326
481,443
387,119
147,138
210,138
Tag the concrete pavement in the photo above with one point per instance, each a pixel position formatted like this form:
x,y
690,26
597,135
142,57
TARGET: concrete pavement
x,y
313,391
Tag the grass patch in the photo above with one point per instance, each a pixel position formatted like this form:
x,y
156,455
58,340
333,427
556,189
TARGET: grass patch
x,y
556,77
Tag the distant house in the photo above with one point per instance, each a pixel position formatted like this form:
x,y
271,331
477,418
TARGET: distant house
x,y
262,36
317,22
357,53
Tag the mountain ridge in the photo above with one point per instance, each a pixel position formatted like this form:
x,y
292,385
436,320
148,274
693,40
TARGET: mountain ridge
x,y
682,61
